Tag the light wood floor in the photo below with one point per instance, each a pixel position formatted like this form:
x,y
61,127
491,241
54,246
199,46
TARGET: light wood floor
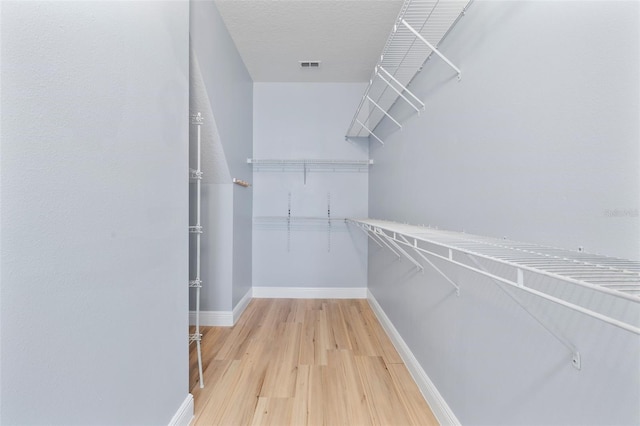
x,y
304,362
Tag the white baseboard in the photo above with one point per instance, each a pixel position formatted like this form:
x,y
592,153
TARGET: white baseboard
x,y
184,415
310,292
212,318
438,405
241,306
222,318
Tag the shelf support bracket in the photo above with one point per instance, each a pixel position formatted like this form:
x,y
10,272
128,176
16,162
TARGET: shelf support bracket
x,y
384,112
433,48
575,355
398,91
401,250
414,246
363,229
382,240
370,132
401,85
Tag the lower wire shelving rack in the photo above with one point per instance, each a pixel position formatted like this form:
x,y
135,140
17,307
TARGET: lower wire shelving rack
x,y
521,265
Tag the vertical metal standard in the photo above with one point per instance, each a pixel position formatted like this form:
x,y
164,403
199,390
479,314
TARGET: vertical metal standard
x,y
432,47
305,172
328,222
197,283
289,224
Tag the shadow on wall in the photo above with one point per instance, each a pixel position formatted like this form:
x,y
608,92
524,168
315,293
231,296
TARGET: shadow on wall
x,y
214,162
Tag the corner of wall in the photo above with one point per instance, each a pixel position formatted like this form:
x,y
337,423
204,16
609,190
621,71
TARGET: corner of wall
x,y
438,405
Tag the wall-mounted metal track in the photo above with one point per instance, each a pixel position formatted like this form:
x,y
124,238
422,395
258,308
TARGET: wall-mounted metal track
x,y
419,28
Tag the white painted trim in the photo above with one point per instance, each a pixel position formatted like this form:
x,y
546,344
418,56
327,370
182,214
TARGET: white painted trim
x,y
438,405
310,292
212,318
241,306
184,415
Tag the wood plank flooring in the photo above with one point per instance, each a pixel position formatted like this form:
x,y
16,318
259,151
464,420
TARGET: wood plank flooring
x,y
304,362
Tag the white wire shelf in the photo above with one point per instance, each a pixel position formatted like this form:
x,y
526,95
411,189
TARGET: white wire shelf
x,y
420,27
300,164
289,224
302,223
297,219
297,222
309,165
616,278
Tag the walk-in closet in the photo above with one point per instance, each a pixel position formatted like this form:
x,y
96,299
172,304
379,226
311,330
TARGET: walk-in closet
x,y
320,212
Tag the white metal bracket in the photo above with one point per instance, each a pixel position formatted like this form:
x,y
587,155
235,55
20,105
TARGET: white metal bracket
x,y
196,229
197,119
365,230
384,112
195,174
383,241
433,48
575,360
398,92
400,249
195,283
370,131
404,88
575,355
415,247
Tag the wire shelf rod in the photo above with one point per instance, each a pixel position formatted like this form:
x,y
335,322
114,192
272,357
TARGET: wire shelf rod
x,y
303,161
384,112
436,51
404,55
548,297
370,132
421,237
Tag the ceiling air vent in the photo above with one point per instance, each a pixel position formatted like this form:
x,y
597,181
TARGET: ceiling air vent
x,y
309,64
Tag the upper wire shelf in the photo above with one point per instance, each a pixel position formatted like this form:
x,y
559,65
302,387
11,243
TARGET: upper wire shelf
x,y
419,28
309,165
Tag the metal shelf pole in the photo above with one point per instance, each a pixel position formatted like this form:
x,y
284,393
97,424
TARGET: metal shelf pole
x,y
197,230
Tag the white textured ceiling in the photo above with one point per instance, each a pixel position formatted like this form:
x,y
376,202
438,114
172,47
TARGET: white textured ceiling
x,y
347,36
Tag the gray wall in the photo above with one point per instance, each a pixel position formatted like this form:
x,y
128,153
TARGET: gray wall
x,y
307,121
538,142
94,212
230,90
